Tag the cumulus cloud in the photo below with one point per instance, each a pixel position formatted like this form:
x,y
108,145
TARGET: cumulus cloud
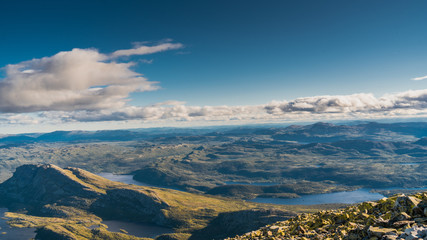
x,y
84,85
325,104
332,107
362,105
80,79
355,103
164,111
419,78
21,119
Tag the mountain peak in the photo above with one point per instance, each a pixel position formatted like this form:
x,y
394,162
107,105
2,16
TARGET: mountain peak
x,y
45,183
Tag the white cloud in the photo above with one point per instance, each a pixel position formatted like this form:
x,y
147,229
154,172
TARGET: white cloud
x,y
144,50
84,85
362,105
355,103
169,103
18,119
170,110
419,78
81,79
408,104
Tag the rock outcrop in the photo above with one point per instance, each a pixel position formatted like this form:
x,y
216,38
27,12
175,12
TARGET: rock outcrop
x,y
232,223
397,217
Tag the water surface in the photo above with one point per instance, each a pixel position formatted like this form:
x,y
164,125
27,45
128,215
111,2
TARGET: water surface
x,y
128,179
348,197
10,233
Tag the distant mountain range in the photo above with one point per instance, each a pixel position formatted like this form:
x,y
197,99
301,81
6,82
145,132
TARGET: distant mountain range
x,y
318,132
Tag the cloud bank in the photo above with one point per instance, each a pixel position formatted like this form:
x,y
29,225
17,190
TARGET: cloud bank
x,y
176,113
84,85
335,107
355,103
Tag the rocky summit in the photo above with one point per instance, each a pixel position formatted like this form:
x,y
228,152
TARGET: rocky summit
x,y
397,217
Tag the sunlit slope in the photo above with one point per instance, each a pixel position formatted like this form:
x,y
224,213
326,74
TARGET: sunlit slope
x,y
70,201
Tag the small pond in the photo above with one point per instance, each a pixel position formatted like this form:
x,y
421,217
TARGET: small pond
x,y
128,179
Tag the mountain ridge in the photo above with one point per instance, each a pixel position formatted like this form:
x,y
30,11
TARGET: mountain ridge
x,y
66,202
320,132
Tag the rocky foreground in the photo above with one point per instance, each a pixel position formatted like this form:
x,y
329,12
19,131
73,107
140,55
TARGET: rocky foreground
x,y
397,217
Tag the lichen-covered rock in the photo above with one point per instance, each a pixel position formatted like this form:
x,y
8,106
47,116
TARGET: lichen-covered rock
x,y
397,217
416,232
380,231
239,222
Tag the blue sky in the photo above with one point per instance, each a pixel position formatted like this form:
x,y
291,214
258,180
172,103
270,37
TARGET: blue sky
x,y
253,54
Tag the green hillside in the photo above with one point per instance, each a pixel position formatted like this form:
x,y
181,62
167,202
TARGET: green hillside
x,y
71,203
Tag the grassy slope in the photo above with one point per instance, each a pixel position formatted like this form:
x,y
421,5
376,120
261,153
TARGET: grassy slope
x,y
194,211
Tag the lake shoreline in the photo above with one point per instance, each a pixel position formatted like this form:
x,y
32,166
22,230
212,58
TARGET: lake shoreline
x,y
344,197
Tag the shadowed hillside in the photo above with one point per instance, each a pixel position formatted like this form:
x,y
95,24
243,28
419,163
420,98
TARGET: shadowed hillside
x,y
67,204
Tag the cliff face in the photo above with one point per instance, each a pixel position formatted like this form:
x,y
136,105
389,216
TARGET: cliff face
x,y
397,217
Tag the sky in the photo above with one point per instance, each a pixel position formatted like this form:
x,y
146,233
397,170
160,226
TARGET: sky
x,y
105,64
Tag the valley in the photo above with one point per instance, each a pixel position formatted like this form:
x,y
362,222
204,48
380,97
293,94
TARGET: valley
x,y
72,203
193,183
291,161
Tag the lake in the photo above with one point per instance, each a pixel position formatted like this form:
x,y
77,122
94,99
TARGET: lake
x,y
348,197
9,233
128,179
